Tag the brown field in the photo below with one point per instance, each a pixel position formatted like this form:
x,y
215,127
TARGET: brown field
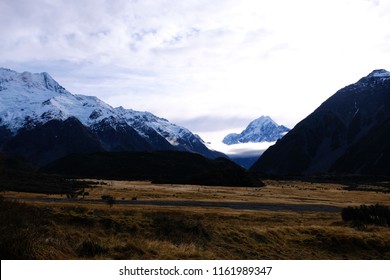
x,y
89,228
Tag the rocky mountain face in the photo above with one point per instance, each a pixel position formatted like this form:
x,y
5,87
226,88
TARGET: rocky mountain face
x,y
263,129
348,134
41,121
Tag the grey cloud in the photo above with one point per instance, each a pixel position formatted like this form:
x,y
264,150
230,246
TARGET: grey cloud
x,y
214,123
181,57
245,152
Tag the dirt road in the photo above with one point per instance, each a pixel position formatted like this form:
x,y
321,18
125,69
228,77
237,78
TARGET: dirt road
x,y
203,204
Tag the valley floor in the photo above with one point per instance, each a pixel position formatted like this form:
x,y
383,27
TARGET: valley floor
x,y
291,220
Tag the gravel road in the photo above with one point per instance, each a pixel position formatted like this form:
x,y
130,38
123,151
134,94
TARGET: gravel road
x,y
202,204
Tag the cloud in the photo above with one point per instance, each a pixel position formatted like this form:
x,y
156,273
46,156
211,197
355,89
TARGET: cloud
x,y
219,123
242,149
208,61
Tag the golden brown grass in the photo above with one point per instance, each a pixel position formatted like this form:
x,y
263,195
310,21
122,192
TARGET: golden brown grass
x,y
287,192
41,230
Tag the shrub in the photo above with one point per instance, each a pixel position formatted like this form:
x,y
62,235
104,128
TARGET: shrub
x,y
20,231
72,195
90,248
367,214
179,228
110,200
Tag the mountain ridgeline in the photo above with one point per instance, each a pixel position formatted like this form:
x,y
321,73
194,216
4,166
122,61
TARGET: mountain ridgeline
x,y
81,136
348,134
42,122
44,127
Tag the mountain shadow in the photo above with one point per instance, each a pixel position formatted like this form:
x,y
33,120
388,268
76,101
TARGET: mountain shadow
x,y
169,167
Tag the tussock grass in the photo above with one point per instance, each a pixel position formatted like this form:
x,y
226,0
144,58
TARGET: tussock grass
x,y
90,248
76,230
99,232
26,232
180,229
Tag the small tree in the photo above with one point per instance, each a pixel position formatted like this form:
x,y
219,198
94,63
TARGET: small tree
x,y
72,195
109,199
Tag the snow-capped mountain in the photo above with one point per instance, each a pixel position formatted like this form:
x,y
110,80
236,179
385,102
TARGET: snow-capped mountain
x,y
42,121
348,133
263,129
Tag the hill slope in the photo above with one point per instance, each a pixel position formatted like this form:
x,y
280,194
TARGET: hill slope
x,y
348,133
160,167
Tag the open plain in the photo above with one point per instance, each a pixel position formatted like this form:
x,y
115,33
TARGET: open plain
x,y
285,219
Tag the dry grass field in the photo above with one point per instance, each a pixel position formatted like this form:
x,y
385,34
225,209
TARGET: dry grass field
x,y
33,227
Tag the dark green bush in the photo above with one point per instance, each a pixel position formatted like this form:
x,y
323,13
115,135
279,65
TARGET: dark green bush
x,y
20,235
90,248
367,214
179,228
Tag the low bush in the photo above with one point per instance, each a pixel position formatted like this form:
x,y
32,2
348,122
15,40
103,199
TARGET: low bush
x,y
367,214
90,248
20,236
178,228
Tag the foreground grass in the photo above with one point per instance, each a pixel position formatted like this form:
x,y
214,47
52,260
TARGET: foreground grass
x,y
48,231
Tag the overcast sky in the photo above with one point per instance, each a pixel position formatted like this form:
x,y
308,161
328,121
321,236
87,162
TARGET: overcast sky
x,y
209,65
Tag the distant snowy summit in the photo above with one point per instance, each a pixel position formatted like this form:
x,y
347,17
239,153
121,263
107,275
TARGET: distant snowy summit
x,y
263,129
42,121
379,73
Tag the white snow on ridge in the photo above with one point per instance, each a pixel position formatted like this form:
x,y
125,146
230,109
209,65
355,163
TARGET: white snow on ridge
x,y
38,98
171,132
381,73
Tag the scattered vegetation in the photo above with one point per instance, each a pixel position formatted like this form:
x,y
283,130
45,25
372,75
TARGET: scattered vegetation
x,y
26,233
90,248
367,215
85,231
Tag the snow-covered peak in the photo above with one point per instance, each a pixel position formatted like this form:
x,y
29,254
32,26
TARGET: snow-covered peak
x,y
32,99
41,81
263,129
37,98
261,122
28,101
379,73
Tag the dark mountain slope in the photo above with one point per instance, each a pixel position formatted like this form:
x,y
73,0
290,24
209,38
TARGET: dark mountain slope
x,y
370,155
52,140
343,128
120,137
159,167
17,174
